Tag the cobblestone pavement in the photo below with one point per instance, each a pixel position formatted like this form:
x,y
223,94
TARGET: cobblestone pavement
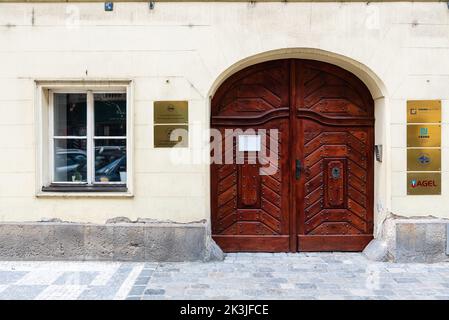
x,y
240,276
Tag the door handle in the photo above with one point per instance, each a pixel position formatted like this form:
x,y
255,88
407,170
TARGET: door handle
x,y
298,169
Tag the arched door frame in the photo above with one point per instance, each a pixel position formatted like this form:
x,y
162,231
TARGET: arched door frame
x,y
382,170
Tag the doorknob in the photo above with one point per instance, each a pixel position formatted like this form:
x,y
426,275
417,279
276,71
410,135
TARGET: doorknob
x,y
298,169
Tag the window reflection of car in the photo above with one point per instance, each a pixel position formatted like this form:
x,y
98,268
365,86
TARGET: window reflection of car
x,y
109,162
111,171
69,162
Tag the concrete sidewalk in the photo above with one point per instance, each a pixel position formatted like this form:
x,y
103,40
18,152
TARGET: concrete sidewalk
x,y
239,276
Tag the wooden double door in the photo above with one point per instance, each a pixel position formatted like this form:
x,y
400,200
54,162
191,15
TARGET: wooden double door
x,y
314,124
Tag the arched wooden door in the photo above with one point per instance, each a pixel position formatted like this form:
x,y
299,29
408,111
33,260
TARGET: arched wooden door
x,y
320,195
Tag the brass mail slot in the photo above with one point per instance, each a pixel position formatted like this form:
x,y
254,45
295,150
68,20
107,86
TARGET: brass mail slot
x,y
423,159
171,112
424,111
422,135
424,183
171,136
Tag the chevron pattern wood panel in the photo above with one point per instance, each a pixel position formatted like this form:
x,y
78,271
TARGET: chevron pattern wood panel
x,y
348,216
336,119
253,91
249,203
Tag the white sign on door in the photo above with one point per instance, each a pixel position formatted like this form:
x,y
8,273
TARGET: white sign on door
x,y
249,143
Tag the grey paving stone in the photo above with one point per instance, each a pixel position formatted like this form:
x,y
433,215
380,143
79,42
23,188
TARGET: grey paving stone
x,y
150,266
384,292
195,292
76,278
339,292
262,275
142,280
269,285
146,273
253,292
328,286
21,292
305,298
137,290
119,276
154,292
278,280
157,297
265,269
200,286
10,277
305,285
406,280
161,275
98,293
245,276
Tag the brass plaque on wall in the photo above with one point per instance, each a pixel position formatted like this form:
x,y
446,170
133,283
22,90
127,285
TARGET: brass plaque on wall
x,y
423,183
421,135
163,135
171,112
423,159
424,111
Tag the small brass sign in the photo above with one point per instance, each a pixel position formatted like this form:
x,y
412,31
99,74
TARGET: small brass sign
x,y
424,183
171,112
424,111
422,135
423,159
171,136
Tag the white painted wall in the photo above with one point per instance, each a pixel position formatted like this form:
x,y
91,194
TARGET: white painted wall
x,y
400,50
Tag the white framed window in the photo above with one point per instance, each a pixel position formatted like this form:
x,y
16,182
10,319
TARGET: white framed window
x,y
85,143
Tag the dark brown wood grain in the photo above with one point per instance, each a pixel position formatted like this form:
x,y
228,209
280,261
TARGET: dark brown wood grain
x,y
326,120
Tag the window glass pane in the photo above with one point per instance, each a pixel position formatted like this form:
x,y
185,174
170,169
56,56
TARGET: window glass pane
x,y
110,160
70,160
110,114
70,114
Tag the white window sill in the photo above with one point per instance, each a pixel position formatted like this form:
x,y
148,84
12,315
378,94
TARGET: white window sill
x,y
84,195
91,191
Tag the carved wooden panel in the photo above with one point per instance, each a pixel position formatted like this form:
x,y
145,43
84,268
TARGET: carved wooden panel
x,y
259,209
335,183
327,185
254,91
249,186
334,92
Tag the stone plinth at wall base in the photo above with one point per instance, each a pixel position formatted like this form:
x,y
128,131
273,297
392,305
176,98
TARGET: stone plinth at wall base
x,y
115,241
421,241
403,240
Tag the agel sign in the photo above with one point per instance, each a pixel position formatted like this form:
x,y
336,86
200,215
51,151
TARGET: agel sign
x,y
423,183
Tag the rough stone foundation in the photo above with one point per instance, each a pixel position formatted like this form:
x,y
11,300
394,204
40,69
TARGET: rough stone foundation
x,y
411,240
119,241
402,240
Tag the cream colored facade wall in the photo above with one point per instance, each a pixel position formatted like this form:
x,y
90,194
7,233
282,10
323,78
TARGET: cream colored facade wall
x,y
181,51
